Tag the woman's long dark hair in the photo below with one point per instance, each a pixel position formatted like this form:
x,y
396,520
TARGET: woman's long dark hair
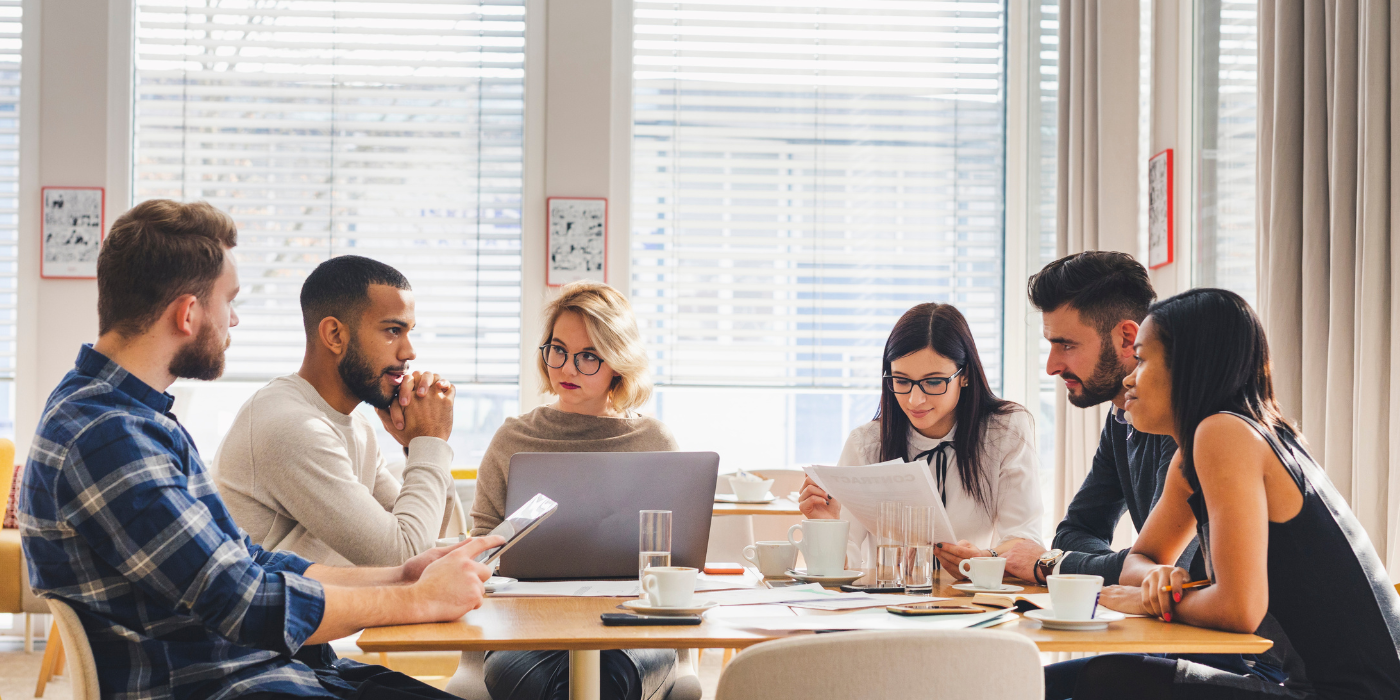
x,y
1218,356
942,328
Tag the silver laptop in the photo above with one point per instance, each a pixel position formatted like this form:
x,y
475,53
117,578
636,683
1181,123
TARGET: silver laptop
x,y
594,533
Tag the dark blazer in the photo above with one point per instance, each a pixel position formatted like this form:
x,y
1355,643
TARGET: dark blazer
x,y
1129,472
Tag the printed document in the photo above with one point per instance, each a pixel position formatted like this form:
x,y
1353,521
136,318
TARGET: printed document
x,y
861,489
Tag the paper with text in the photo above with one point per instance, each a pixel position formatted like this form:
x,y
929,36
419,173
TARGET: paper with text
x,y
861,489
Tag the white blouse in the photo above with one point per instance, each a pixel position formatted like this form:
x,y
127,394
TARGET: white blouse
x,y
1009,458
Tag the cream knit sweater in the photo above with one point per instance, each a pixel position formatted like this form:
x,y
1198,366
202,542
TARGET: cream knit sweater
x,y
300,476
548,429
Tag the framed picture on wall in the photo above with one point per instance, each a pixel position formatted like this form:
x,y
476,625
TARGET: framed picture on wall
x,y
74,225
578,240
1161,239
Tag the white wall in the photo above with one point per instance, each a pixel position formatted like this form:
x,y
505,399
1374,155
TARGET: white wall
x,y
578,141
64,140
1171,128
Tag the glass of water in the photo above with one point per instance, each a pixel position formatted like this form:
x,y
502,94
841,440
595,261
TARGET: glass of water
x,y
889,544
919,563
654,546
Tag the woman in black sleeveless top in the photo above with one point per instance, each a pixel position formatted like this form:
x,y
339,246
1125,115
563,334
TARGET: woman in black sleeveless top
x,y
1277,537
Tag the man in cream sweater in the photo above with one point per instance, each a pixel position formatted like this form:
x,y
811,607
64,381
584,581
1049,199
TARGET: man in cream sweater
x,y
301,470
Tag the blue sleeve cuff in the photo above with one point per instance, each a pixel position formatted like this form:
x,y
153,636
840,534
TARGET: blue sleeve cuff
x,y
278,562
306,606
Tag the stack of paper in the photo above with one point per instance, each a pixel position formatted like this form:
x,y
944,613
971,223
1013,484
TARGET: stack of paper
x,y
813,596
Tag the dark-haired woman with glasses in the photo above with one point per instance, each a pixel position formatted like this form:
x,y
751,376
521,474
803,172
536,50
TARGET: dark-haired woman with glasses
x,y
936,407
1276,536
592,360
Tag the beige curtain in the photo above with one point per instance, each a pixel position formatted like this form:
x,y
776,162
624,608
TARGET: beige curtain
x,y
1097,182
1327,182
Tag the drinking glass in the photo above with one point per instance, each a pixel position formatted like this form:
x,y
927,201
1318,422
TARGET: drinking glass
x,y
654,546
919,564
889,544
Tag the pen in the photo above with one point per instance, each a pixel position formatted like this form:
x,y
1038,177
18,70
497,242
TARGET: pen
x,y
1188,586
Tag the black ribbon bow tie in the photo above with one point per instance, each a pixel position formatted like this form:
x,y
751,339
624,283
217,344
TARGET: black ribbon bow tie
x,y
940,469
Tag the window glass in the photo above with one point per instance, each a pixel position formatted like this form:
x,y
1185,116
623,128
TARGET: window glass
x,y
802,175
1227,79
10,23
391,130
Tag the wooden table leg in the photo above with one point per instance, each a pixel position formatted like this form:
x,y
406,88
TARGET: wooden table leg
x,y
585,674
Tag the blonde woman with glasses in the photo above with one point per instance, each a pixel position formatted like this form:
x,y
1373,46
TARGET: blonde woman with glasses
x,y
592,360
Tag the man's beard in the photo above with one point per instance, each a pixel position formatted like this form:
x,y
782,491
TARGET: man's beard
x,y
363,380
1103,384
202,358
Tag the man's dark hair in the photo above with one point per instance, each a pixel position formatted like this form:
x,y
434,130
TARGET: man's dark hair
x,y
157,252
339,287
1105,287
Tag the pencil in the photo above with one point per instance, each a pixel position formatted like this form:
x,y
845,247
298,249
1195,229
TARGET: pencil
x,y
1188,586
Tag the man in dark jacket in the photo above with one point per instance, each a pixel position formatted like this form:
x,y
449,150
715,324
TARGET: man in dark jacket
x,y
1091,304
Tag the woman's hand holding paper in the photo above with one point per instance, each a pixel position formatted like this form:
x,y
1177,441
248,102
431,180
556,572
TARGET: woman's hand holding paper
x,y
817,504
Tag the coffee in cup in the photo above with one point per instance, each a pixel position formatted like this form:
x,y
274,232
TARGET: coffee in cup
x,y
773,559
1074,596
985,572
669,586
823,545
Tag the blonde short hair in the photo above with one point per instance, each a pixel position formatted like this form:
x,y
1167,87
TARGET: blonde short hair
x,y
608,317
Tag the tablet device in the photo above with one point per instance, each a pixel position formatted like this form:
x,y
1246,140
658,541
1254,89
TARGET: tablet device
x,y
520,523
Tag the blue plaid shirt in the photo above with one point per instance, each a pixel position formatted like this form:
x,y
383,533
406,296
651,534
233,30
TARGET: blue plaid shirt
x,y
121,521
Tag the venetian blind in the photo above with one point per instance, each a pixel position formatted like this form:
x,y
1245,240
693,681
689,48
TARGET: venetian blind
x,y
1228,84
387,128
804,172
10,22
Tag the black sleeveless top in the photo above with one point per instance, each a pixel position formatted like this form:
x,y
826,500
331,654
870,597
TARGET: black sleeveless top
x,y
1327,587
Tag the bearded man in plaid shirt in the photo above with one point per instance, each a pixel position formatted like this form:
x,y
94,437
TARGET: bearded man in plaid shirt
x,y
121,521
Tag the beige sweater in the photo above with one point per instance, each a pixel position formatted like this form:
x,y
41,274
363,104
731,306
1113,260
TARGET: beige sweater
x,y
300,476
548,429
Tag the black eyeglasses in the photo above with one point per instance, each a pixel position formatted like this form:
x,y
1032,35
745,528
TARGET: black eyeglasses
x,y
933,386
585,362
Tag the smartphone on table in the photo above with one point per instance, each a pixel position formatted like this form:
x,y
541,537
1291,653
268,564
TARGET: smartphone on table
x,y
630,620
519,524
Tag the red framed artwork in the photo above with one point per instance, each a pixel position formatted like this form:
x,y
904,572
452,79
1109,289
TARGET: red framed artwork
x,y
74,225
1161,234
578,240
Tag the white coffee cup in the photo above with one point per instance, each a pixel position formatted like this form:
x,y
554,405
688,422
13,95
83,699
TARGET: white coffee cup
x,y
745,490
669,586
823,545
1074,596
773,558
985,572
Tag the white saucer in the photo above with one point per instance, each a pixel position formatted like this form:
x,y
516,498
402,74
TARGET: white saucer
x,y
835,580
1102,617
646,608
731,498
496,583
974,588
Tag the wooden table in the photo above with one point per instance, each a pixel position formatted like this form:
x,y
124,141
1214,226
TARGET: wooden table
x,y
781,506
572,624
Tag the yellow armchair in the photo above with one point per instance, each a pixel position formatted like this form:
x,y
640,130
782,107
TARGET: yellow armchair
x,y
15,594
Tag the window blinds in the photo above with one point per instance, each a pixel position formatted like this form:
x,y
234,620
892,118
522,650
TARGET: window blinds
x,y
388,128
1227,83
804,172
10,19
